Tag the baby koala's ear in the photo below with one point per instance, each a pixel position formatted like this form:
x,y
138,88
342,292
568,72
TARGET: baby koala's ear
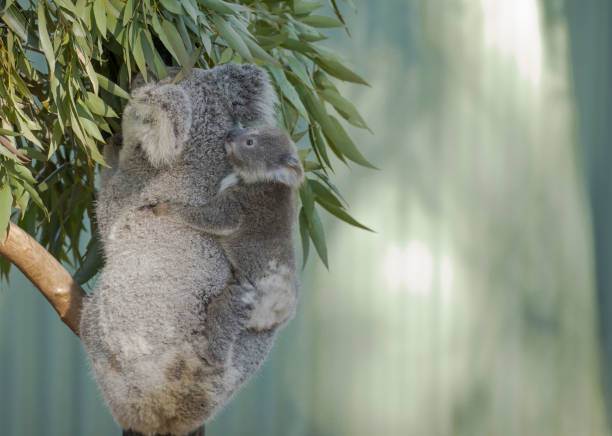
x,y
292,171
249,93
159,118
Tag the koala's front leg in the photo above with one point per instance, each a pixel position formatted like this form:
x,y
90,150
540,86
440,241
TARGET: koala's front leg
x,y
221,216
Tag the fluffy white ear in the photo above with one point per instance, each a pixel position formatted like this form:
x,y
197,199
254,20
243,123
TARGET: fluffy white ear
x,y
158,117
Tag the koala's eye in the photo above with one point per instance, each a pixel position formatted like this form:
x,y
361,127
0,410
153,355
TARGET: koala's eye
x,y
250,142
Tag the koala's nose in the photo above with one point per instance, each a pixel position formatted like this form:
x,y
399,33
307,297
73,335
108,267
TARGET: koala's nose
x,y
235,132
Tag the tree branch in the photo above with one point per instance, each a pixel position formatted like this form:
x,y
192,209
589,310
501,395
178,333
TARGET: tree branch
x,y
46,273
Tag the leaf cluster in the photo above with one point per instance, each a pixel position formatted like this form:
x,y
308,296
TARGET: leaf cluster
x,y
65,69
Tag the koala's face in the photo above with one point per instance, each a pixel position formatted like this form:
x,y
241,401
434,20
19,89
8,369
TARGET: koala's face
x,y
264,153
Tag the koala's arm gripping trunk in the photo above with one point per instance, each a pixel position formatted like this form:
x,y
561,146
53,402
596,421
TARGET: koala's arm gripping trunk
x,y
46,273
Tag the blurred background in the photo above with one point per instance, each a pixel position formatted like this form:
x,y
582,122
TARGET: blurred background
x,y
482,305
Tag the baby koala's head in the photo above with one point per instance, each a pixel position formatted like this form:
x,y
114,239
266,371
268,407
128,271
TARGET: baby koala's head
x,y
263,154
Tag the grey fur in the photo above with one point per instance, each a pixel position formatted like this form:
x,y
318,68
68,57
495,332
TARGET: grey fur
x,y
165,333
254,220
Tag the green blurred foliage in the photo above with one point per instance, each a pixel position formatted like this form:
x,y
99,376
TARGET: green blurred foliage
x,y
66,69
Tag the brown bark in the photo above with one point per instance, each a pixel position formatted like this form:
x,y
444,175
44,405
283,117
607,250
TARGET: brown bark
x,y
46,273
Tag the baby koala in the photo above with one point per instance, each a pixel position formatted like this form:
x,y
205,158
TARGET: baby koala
x,y
253,216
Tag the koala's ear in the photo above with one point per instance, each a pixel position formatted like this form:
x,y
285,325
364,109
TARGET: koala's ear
x,y
249,93
158,117
292,170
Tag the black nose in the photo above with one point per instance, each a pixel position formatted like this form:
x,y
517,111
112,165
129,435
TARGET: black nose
x,y
235,132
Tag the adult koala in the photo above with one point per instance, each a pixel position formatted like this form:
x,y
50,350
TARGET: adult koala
x,y
167,345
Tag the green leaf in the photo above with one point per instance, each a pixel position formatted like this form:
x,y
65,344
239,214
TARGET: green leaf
x,y
92,262
172,6
45,42
89,69
153,58
226,56
303,224
19,171
323,193
99,11
287,89
176,43
299,70
337,69
112,87
317,234
230,36
35,197
128,10
304,7
15,21
342,214
98,106
321,21
344,107
335,133
318,143
186,71
223,7
137,49
6,202
259,52
311,166
308,199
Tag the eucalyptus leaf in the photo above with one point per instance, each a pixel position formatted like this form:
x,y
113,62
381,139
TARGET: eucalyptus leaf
x,y
337,69
45,42
99,11
111,87
317,234
304,236
321,21
6,202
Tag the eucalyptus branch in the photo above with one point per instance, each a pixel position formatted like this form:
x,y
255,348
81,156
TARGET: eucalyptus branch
x,y
46,273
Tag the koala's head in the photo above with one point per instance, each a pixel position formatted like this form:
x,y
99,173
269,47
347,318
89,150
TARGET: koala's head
x,y
264,153
155,125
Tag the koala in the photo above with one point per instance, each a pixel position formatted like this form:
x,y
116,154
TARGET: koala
x,y
253,217
166,336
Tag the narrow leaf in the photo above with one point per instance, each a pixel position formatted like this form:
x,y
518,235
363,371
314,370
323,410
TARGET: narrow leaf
x,y
317,234
45,42
6,202
99,11
337,69
303,224
321,21
172,6
230,36
112,87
